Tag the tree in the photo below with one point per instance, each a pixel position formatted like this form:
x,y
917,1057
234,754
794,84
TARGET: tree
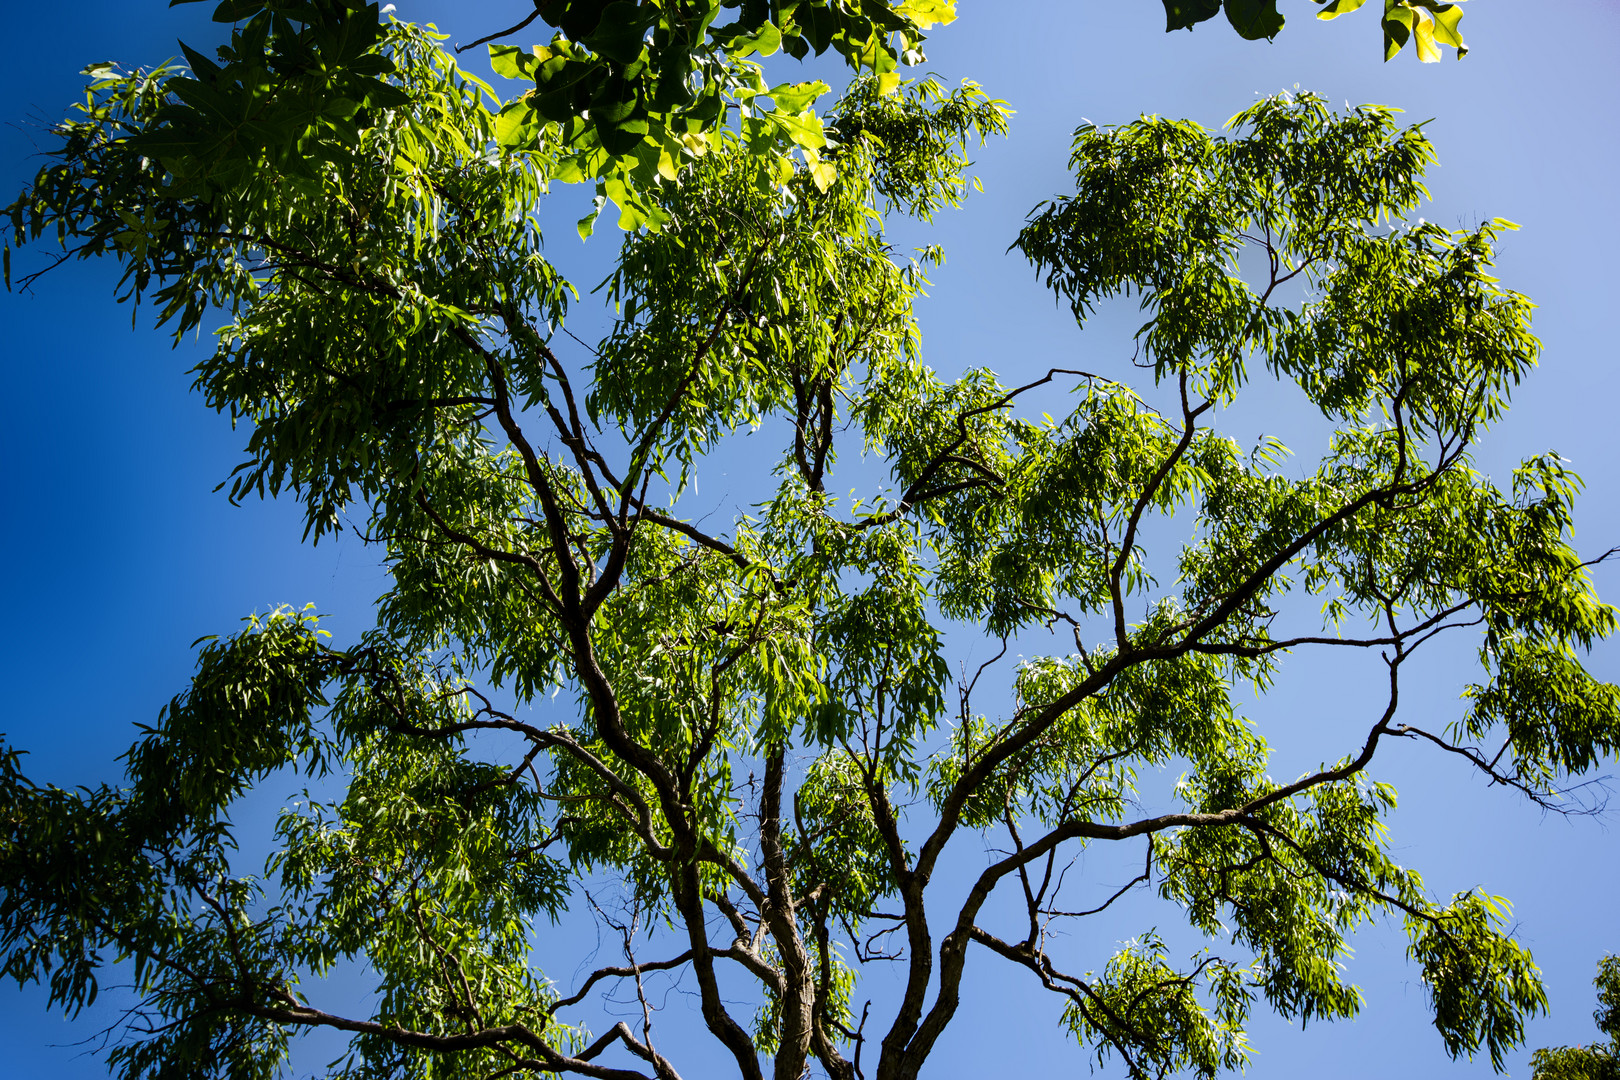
x,y
765,736
1594,1062
617,79
627,91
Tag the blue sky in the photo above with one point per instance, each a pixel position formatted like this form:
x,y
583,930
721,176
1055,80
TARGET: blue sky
x,y
119,554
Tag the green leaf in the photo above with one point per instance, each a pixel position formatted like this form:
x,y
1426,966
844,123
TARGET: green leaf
x,y
1254,19
1446,18
1424,45
231,11
587,224
797,97
765,41
517,126
568,170
668,166
1335,8
822,173
804,131
1185,14
1434,23
1399,23
511,62
620,36
928,13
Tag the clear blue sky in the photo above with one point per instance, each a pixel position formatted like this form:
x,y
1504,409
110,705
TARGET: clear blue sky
x,y
118,554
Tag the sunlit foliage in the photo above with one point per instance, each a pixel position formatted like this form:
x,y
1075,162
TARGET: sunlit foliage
x,y
753,727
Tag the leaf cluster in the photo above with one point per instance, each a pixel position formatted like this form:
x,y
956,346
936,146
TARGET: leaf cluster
x,y
1429,24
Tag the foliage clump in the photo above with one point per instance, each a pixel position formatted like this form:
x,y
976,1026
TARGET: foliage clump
x,y
1596,1062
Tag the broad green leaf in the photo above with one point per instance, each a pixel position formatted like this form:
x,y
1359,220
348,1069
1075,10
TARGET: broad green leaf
x,y
569,170
797,97
823,174
620,36
928,13
1423,39
1334,8
1254,19
1185,14
1399,23
806,130
587,224
230,11
631,217
517,125
765,41
511,62
1446,17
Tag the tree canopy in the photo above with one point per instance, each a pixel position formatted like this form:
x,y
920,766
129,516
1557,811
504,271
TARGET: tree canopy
x,y
627,91
1589,1062
754,728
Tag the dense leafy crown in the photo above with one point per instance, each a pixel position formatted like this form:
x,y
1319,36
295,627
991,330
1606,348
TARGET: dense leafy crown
x,y
755,729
